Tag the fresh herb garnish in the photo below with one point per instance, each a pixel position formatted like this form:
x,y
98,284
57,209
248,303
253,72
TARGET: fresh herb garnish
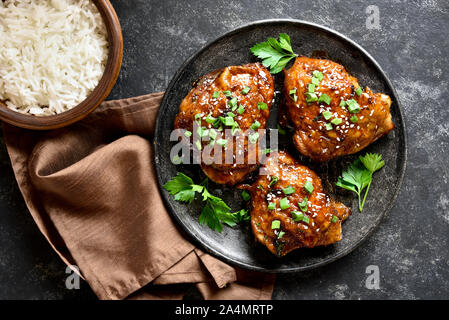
x,y
358,91
214,213
325,98
245,90
281,234
280,129
242,215
255,125
327,115
274,180
272,206
188,133
245,195
216,94
336,121
353,106
275,55
334,219
359,175
308,186
228,94
275,224
241,109
253,137
284,204
303,204
292,94
354,119
262,106
288,190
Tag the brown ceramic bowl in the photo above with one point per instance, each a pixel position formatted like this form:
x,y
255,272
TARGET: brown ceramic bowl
x,y
97,96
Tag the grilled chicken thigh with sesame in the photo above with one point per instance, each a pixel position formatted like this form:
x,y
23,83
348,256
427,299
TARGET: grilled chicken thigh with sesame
x,y
217,113
289,208
331,114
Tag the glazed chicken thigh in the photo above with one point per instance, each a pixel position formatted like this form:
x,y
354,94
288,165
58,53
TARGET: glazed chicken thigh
x,y
331,115
236,98
289,208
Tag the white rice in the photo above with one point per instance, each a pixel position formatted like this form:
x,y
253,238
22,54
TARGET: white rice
x,y
52,54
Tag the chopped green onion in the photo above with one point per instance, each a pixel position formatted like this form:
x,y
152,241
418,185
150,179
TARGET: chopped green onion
x,y
284,204
303,204
272,206
353,106
228,121
342,103
297,216
210,119
176,160
227,94
358,91
230,114
280,129
255,125
336,121
306,219
288,190
354,119
311,97
245,90
235,128
292,94
262,106
334,219
188,133
202,131
198,144
315,81
241,109
327,115
253,137
325,98
281,234
233,103
216,94
274,180
275,224
317,74
267,151
198,116
245,195
222,142
311,87
212,134
308,186
329,126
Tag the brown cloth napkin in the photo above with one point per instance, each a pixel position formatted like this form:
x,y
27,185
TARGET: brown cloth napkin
x,y
91,189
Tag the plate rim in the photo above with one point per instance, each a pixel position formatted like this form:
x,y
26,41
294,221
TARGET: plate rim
x,y
203,244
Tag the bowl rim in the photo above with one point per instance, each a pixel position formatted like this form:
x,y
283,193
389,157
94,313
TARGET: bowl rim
x,y
95,98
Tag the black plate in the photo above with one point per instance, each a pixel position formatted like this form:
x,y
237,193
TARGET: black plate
x,y
236,245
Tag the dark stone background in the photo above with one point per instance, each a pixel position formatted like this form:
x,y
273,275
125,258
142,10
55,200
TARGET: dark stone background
x,y
411,245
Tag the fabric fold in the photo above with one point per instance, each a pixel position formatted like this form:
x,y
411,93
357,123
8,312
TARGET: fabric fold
x,y
92,190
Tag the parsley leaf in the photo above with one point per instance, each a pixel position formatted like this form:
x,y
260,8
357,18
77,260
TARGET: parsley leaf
x,y
179,183
275,55
215,212
358,175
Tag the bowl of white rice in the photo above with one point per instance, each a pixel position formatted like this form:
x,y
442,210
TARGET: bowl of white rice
x,y
59,59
